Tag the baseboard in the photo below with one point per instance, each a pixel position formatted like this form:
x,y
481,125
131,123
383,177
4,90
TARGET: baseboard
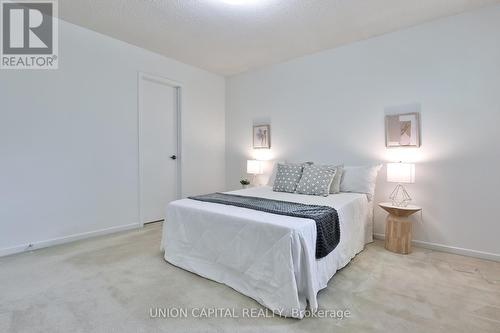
x,y
450,249
66,239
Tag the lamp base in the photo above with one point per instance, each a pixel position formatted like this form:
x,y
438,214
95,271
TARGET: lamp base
x,y
399,197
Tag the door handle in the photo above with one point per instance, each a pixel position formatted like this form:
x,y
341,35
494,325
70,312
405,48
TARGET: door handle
x,y
173,157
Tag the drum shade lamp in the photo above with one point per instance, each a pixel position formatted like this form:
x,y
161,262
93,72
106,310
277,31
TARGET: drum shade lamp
x,y
255,167
400,173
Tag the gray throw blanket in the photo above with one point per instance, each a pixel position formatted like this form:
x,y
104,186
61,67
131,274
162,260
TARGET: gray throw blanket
x,y
326,218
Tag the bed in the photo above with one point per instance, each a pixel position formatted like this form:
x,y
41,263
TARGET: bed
x,y
268,257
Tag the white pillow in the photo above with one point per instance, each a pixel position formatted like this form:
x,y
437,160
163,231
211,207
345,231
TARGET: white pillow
x,y
360,179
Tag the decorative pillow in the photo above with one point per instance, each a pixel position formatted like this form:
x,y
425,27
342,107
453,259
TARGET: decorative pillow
x,y
272,177
360,180
316,180
335,187
287,177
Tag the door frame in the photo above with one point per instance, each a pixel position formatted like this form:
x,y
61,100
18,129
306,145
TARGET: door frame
x,y
141,77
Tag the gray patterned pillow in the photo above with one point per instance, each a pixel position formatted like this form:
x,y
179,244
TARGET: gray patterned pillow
x,y
287,177
316,179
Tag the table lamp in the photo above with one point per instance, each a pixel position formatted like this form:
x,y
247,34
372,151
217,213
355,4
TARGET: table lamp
x,y
255,167
401,173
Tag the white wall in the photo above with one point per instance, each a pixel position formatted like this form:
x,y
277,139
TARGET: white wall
x,y
329,107
68,139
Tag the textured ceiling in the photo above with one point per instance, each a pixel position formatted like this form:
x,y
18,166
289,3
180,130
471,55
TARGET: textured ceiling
x,y
228,39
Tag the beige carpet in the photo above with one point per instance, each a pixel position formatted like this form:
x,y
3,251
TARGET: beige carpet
x,y
109,284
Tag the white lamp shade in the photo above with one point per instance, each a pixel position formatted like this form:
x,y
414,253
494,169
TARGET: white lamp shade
x,y
400,173
255,167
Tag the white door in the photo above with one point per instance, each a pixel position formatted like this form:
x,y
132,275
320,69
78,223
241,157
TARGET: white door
x,y
157,147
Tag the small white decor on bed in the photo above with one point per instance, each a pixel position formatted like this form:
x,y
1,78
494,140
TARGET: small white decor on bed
x,y
335,187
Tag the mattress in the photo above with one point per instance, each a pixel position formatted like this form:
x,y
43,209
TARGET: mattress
x,y
268,257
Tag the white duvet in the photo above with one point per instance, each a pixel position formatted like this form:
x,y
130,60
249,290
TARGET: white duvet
x,y
268,257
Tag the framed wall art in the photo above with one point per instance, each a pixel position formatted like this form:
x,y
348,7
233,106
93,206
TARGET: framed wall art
x,y
262,137
402,130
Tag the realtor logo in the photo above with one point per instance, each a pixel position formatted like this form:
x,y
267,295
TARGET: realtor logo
x,y
29,34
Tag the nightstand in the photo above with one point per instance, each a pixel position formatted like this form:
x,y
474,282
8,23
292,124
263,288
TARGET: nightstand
x,y
398,227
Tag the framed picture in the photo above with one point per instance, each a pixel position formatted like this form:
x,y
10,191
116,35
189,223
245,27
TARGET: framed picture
x,y
262,137
402,130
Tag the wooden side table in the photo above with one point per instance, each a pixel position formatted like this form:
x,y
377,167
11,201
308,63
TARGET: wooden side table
x,y
398,227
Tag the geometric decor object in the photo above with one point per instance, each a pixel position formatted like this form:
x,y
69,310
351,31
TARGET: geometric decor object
x,y
399,197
